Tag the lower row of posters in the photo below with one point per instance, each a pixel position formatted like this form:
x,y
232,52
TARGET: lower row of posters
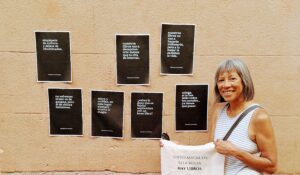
x,y
107,112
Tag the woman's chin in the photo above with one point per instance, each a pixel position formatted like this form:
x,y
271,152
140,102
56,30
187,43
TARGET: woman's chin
x,y
227,99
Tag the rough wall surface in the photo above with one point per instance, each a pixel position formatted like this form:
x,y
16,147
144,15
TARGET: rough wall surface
x,y
265,34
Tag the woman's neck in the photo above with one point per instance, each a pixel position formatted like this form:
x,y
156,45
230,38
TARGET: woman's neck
x,y
235,108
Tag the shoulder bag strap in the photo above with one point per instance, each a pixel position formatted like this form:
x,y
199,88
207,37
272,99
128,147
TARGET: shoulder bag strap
x,y
239,119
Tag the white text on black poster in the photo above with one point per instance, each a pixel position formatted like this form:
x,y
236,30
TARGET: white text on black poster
x,y
107,113
191,107
146,115
65,107
132,59
53,56
177,49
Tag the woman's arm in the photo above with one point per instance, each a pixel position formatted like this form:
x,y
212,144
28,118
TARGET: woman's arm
x,y
264,137
216,110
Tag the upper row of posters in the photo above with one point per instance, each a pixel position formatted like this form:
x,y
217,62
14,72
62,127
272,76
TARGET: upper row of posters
x,y
132,55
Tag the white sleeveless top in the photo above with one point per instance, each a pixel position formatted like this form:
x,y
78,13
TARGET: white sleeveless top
x,y
240,138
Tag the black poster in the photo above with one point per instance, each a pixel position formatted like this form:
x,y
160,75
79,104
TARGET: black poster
x,y
177,49
132,59
107,113
53,56
65,108
191,107
146,115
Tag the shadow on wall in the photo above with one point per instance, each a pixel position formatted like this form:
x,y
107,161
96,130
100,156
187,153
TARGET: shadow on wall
x,y
1,151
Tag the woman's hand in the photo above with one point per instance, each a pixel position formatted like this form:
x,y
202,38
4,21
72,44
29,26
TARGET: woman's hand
x,y
161,144
225,147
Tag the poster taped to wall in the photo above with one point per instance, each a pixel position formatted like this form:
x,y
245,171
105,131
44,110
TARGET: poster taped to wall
x,y
191,107
107,113
132,53
53,56
146,115
65,111
177,49
191,160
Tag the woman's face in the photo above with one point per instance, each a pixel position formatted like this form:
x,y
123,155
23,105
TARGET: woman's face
x,y
230,86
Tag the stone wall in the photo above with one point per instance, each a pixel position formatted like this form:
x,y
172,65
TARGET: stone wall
x,y
265,34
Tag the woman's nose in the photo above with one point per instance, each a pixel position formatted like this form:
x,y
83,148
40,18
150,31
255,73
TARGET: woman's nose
x,y
226,83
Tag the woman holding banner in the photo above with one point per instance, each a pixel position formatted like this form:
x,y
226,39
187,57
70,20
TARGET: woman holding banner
x,y
241,130
250,148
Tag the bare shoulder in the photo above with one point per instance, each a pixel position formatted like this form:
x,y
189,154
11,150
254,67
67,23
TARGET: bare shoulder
x,y
261,120
218,107
260,115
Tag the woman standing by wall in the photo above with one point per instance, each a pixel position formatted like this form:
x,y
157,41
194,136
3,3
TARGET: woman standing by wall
x,y
251,147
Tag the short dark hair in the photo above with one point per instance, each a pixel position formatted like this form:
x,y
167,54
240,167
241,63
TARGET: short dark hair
x,y
241,68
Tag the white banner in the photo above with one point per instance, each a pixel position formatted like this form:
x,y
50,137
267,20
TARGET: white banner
x,y
191,160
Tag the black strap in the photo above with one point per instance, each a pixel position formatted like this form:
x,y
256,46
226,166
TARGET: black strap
x,y
239,119
165,136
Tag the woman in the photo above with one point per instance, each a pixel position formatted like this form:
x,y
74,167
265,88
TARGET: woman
x,y
251,147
